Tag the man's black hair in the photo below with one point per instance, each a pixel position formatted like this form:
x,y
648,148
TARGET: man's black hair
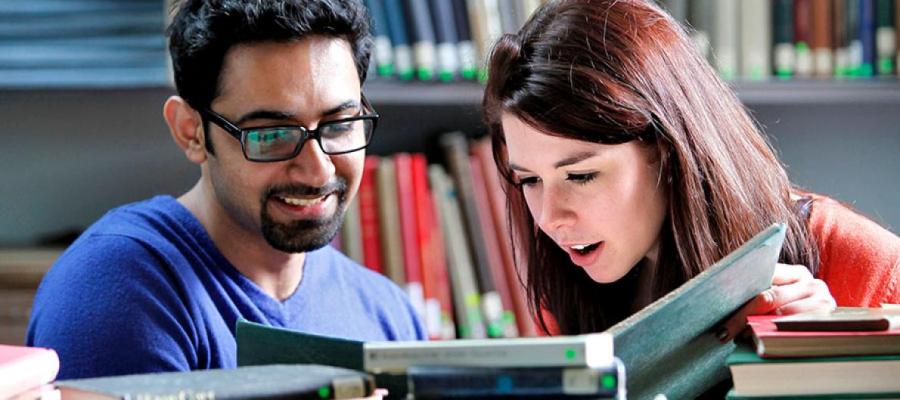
x,y
202,31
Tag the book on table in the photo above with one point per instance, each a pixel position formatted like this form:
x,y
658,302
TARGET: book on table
x,y
860,376
771,342
668,348
295,381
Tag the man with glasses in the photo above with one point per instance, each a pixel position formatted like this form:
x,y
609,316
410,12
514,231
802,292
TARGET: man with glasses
x,y
270,108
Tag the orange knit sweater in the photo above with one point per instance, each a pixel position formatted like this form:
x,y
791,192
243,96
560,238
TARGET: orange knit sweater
x,y
859,260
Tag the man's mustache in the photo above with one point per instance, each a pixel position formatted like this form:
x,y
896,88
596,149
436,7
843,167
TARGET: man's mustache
x,y
339,185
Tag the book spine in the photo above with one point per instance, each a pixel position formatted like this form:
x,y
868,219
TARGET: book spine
x,y
457,152
756,40
444,22
351,232
391,241
593,351
426,382
438,265
368,215
403,60
382,49
854,39
700,15
524,318
406,205
783,18
466,300
422,32
492,247
841,39
725,37
885,36
468,56
867,38
509,21
821,40
425,240
805,66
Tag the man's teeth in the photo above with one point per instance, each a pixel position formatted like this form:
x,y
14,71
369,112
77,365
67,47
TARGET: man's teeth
x,y
302,202
580,246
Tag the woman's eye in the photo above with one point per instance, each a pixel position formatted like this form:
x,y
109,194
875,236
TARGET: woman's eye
x,y
528,181
582,178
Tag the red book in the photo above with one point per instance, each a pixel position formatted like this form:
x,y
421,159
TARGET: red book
x,y
406,203
773,343
495,261
431,252
524,318
368,215
25,368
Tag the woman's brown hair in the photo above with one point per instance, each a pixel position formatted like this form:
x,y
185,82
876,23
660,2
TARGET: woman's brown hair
x,y
613,71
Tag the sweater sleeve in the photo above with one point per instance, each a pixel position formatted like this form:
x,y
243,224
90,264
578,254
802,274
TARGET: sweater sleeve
x,y
859,260
108,307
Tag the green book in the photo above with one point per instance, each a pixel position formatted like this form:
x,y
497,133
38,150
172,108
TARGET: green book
x,y
841,396
258,382
668,348
873,376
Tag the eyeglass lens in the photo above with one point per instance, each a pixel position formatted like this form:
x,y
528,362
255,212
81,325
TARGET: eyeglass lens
x,y
266,144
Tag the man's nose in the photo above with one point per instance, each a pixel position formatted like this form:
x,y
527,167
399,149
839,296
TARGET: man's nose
x,y
312,166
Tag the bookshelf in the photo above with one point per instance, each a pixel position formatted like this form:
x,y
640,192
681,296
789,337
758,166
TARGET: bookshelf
x,y
93,141
850,130
875,91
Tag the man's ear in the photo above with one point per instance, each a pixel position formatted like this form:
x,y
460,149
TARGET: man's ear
x,y
186,128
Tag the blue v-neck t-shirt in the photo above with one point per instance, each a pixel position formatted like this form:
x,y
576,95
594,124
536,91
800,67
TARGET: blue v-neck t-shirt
x,y
144,289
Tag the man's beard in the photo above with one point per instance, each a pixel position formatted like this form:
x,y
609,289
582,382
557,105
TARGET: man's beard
x,y
303,235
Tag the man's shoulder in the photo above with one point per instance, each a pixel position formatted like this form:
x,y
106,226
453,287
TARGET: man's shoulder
x,y
152,217
135,236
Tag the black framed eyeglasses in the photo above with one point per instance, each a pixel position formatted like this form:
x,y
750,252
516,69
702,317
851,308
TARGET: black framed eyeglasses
x,y
279,143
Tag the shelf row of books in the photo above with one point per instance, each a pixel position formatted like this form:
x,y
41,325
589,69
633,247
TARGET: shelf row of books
x,y
757,39
443,39
442,236
848,353
753,40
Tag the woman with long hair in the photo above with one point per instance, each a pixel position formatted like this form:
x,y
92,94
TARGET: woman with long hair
x,y
630,166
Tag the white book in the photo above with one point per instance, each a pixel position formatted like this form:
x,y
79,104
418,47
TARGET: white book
x,y
592,350
726,43
756,39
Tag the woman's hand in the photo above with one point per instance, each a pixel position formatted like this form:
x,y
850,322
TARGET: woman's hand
x,y
794,290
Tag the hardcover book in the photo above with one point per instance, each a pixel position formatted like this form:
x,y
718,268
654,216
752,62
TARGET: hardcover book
x,y
667,348
772,342
296,381
842,319
437,382
813,376
24,369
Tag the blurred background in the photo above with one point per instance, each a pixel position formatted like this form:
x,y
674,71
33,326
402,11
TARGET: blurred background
x,y
82,83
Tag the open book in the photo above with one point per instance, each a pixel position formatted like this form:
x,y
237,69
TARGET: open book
x,y
667,348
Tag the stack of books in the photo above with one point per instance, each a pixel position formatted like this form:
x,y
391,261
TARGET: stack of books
x,y
555,367
581,366
847,353
26,372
